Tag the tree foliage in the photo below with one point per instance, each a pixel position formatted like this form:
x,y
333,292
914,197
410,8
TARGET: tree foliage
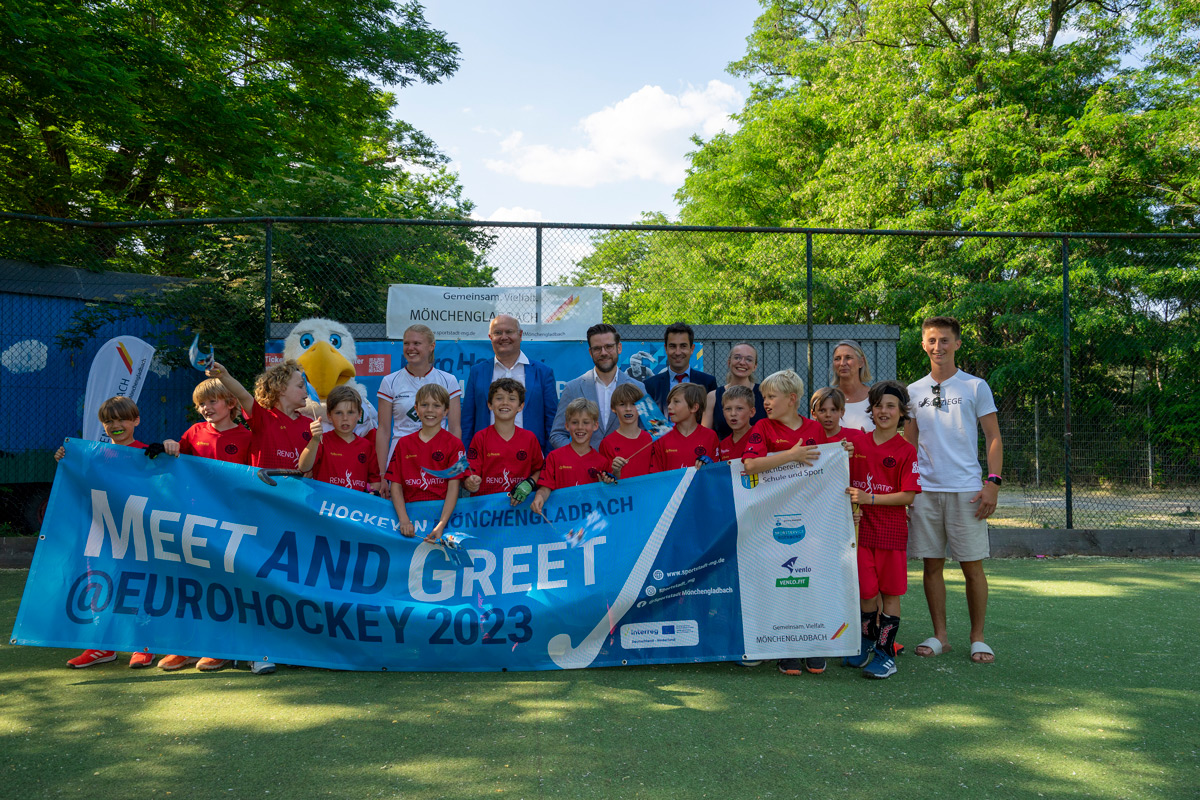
x,y
991,115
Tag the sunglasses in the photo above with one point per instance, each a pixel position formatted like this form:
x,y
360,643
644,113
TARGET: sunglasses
x,y
937,395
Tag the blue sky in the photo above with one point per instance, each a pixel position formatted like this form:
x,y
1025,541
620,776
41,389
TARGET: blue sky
x,y
574,112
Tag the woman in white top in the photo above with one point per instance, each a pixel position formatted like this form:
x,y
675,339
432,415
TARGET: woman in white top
x,y
852,375
398,391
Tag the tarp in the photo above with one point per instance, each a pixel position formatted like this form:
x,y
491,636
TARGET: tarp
x,y
200,557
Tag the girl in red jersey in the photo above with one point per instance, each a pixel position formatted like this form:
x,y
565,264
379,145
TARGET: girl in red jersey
x,y
432,447
279,431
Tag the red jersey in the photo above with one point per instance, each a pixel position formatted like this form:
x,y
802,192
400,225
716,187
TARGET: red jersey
x,y
673,450
411,454
889,467
277,438
770,436
731,449
564,467
202,439
636,450
503,463
138,445
352,464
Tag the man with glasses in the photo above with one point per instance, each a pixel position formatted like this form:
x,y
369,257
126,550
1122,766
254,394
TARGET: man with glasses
x,y
597,385
949,407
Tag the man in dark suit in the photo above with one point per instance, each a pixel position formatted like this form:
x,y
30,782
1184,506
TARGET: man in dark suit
x,y
597,385
541,397
680,343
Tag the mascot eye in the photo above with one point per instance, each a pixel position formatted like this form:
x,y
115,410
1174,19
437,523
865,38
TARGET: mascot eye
x,y
335,340
306,340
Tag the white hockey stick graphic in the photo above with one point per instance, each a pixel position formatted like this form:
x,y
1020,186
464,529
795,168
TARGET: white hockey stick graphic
x,y
559,648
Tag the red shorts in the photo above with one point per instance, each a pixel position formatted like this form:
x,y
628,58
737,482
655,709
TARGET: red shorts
x,y
882,572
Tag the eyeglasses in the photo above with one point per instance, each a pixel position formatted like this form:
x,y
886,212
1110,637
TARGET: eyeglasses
x,y
937,395
603,348
743,359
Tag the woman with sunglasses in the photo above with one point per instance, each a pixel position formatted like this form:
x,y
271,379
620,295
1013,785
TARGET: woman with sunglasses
x,y
741,366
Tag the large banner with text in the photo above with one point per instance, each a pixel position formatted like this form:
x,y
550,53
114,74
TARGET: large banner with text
x,y
187,555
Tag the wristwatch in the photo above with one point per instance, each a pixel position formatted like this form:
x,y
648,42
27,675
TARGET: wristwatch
x,y
993,478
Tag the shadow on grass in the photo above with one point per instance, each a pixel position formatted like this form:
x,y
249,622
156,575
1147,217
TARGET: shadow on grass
x,y
1079,703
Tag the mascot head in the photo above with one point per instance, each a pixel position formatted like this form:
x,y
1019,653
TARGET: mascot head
x,y
325,349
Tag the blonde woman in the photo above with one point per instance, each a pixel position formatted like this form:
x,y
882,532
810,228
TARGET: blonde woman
x,y
852,375
740,369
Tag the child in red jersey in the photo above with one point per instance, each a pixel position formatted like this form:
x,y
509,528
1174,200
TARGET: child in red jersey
x,y
688,441
575,463
890,485
738,404
627,448
219,437
503,457
432,447
279,431
782,438
344,458
119,416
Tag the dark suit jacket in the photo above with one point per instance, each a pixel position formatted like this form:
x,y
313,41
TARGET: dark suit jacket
x,y
541,400
659,386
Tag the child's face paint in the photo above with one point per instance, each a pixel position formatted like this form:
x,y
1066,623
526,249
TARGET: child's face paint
x,y
121,430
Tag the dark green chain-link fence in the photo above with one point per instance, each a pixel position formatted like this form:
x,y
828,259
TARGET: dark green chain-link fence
x,y
1097,399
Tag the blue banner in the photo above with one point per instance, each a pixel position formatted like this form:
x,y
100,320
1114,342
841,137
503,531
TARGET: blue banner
x,y
193,556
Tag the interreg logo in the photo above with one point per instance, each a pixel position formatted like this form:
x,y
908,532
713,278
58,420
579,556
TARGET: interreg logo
x,y
788,529
749,481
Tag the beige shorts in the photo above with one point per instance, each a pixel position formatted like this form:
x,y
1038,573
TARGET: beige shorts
x,y
943,525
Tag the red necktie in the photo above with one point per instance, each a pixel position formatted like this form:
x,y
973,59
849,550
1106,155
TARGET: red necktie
x,y
680,378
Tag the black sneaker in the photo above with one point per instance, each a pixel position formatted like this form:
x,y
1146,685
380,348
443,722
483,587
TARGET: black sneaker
x,y
814,666
790,666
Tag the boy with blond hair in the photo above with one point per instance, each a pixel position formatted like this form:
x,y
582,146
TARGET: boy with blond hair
x,y
219,436
627,449
431,448
503,457
688,443
342,458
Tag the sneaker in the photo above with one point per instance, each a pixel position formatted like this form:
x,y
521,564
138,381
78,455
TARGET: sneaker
x,y
212,664
746,663
863,658
899,648
882,666
790,666
814,666
176,662
262,667
141,660
90,658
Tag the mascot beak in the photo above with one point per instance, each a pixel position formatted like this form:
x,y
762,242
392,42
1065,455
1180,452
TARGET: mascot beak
x,y
325,367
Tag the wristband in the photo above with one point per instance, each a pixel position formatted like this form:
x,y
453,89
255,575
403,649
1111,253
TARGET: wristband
x,y
994,478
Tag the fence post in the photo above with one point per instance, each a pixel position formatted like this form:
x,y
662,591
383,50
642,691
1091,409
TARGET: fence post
x,y
267,282
808,314
1037,452
1066,267
538,273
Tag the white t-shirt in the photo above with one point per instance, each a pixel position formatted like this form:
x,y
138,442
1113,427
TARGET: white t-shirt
x,y
400,391
948,442
857,416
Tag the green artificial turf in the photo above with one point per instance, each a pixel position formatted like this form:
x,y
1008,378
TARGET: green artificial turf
x,y
1095,693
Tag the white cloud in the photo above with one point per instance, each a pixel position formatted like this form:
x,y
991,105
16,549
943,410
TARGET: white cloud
x,y
515,214
25,357
644,136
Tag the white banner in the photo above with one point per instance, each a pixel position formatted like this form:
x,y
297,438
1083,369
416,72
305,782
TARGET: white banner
x,y
797,565
546,313
119,369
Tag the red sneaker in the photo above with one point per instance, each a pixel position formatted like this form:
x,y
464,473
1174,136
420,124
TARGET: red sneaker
x,y
176,662
213,664
91,657
141,660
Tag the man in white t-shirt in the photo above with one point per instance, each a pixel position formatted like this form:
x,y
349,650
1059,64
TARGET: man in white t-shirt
x,y
949,407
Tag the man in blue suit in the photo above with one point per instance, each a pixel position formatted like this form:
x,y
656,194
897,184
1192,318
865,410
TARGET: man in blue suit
x,y
541,396
680,342
597,385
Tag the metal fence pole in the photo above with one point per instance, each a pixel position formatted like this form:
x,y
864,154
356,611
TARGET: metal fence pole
x,y
538,256
1037,453
1066,267
808,263
267,282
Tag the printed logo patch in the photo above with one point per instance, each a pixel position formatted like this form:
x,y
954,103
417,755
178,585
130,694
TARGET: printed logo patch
x,y
889,462
362,458
231,449
472,453
522,455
